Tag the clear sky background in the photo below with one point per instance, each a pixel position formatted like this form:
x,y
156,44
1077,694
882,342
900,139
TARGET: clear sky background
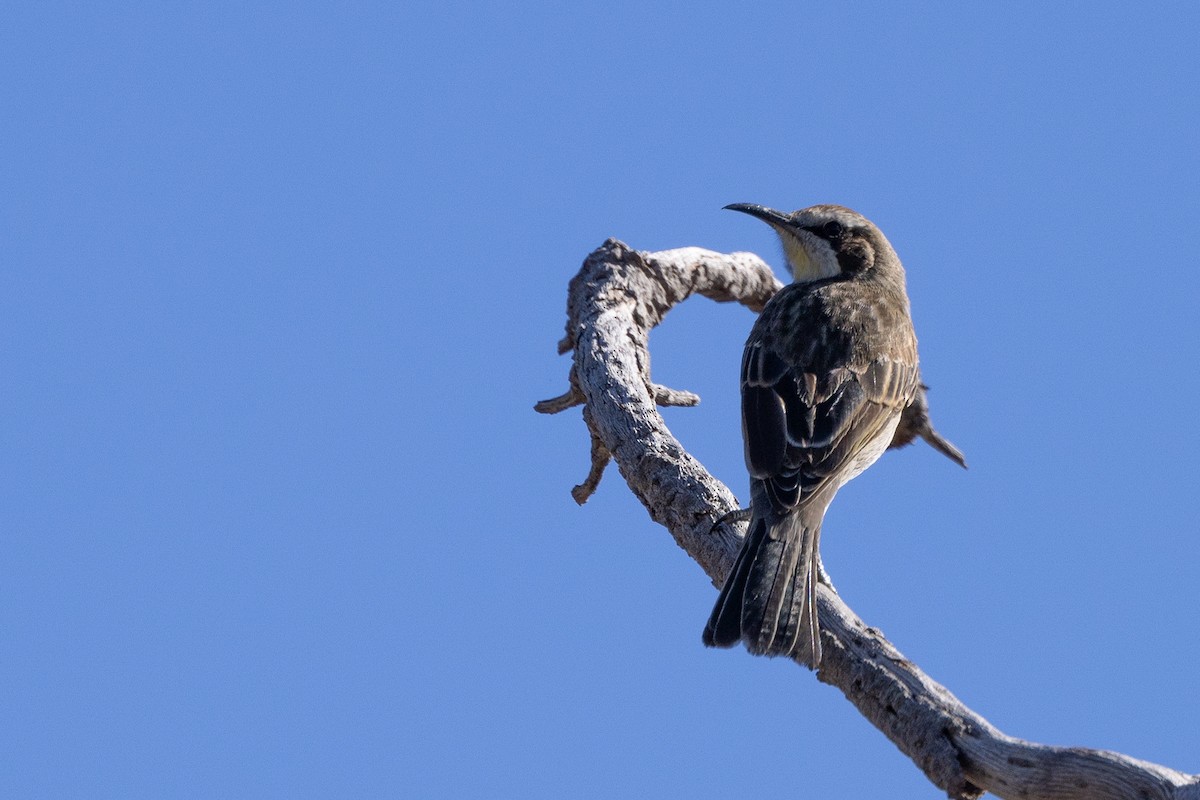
x,y
282,283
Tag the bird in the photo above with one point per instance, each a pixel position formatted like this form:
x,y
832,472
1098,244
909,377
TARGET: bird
x,y
828,372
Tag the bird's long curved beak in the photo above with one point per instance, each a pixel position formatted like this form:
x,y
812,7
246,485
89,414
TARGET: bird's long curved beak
x,y
768,215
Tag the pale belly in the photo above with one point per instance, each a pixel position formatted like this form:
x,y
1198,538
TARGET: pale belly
x,y
871,453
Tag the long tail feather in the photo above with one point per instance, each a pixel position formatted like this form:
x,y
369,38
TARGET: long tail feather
x,y
769,599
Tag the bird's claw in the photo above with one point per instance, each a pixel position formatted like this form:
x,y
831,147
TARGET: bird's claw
x,y
737,515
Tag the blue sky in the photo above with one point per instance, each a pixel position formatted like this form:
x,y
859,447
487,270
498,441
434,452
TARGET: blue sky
x,y
283,282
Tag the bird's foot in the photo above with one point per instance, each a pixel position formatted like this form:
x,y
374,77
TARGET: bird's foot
x,y
737,515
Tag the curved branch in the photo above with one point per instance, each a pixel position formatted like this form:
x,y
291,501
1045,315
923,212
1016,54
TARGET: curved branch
x,y
618,295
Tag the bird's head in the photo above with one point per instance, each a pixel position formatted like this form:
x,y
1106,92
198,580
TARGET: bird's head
x,y
826,241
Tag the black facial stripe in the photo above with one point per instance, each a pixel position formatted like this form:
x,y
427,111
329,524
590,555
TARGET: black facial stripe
x,y
850,261
854,254
823,231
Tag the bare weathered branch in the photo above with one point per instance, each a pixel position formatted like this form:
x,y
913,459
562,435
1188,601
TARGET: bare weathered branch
x,y
569,399
616,298
600,458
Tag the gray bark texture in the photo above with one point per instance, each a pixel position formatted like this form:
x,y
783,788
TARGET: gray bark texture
x,y
618,295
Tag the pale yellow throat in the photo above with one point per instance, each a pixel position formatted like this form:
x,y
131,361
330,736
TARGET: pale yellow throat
x,y
804,266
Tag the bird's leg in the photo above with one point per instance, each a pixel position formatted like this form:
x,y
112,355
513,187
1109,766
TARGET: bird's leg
x,y
737,515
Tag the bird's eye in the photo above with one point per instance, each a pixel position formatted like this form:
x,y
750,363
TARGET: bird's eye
x,y
833,229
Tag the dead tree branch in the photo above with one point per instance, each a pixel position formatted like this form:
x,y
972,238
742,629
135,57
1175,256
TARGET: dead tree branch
x,y
616,298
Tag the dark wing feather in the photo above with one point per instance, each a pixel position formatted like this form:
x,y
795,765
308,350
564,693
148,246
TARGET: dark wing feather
x,y
764,413
802,428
